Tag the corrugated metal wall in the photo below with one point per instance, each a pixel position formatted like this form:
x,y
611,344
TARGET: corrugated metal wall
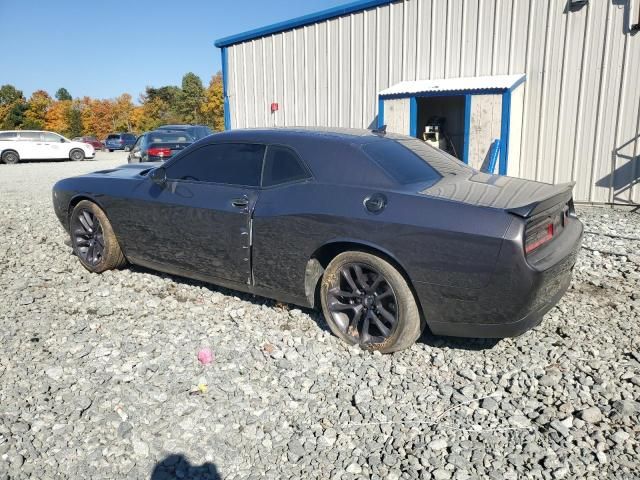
x,y
581,117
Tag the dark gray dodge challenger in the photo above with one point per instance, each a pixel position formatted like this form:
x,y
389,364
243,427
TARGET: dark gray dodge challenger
x,y
383,232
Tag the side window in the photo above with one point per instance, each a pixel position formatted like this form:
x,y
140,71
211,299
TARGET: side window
x,y
51,137
30,136
8,136
282,165
228,163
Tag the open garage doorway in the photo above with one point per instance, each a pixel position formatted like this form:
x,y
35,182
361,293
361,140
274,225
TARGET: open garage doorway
x,y
445,115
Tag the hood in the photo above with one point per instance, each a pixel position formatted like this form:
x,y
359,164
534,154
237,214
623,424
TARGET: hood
x,y
519,196
128,170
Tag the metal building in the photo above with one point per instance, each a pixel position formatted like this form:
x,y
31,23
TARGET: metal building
x,y
572,111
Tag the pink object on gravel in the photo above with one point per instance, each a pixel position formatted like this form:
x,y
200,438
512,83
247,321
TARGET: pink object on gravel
x,y
205,356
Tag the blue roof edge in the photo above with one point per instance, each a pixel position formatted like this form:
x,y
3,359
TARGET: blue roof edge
x,y
301,21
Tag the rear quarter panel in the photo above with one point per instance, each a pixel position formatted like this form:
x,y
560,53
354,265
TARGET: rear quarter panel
x,y
436,242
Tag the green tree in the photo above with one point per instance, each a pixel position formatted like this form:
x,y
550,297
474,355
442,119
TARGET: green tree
x,y
159,107
12,107
63,94
76,128
191,98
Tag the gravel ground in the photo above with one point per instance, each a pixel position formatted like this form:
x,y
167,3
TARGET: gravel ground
x,y
99,377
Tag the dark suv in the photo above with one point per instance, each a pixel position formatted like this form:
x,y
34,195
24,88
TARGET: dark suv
x,y
120,141
195,131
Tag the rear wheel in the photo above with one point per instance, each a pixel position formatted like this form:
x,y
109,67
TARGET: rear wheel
x,y
10,157
367,302
93,239
76,155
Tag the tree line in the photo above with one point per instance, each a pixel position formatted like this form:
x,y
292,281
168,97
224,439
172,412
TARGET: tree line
x,y
75,117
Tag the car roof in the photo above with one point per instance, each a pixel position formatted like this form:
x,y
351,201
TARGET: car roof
x,y
325,150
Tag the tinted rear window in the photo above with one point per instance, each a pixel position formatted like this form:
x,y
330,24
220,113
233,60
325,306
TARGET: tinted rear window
x,y
168,137
113,137
442,162
400,163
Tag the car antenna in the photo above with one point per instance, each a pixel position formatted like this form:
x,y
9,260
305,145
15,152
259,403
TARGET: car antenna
x,y
380,130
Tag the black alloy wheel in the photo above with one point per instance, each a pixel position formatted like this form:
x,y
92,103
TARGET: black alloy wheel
x,y
363,304
88,237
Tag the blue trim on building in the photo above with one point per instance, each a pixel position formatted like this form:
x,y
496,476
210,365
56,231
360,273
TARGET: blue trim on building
x,y
450,93
413,117
504,132
467,128
301,21
225,91
518,83
380,112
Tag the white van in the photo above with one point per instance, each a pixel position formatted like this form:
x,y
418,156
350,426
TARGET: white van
x,y
16,145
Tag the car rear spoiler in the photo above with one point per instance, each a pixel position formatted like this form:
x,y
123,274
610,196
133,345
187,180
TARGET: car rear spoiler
x,y
560,194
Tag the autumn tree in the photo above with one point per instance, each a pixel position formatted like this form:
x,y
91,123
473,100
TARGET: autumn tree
x,y
37,106
63,94
212,107
122,113
57,116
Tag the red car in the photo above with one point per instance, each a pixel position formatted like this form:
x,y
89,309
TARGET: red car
x,y
93,141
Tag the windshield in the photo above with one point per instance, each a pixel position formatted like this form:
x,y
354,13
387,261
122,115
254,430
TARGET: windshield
x,y
169,137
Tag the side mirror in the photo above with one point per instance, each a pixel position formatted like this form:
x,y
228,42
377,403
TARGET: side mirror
x,y
159,176
62,140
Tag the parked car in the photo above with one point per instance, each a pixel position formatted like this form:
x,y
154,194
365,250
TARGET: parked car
x,y
158,146
386,233
93,141
197,132
16,145
120,141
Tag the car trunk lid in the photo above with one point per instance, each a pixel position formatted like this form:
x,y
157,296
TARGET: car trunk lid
x,y
524,198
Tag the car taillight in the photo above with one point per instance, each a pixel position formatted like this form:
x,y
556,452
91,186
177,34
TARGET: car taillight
x,y
160,152
538,235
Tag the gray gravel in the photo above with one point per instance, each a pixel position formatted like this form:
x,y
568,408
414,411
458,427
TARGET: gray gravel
x,y
99,377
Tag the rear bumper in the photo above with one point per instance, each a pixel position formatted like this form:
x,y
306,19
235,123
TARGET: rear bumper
x,y
501,330
518,296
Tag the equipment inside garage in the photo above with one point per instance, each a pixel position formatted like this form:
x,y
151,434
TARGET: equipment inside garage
x,y
474,118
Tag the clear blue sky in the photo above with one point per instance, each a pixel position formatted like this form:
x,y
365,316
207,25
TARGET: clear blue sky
x,y
102,49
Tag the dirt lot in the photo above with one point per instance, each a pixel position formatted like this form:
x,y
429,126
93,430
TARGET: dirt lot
x,y
99,377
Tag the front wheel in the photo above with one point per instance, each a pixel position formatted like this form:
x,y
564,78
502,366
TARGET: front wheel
x,y
93,240
76,155
367,302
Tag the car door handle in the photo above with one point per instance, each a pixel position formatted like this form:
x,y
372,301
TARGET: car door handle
x,y
242,202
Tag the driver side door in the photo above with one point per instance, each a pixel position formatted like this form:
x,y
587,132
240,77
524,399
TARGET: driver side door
x,y
199,221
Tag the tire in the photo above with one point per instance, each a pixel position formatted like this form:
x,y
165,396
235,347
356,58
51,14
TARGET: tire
x,y
110,150
374,300
76,155
85,233
10,157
